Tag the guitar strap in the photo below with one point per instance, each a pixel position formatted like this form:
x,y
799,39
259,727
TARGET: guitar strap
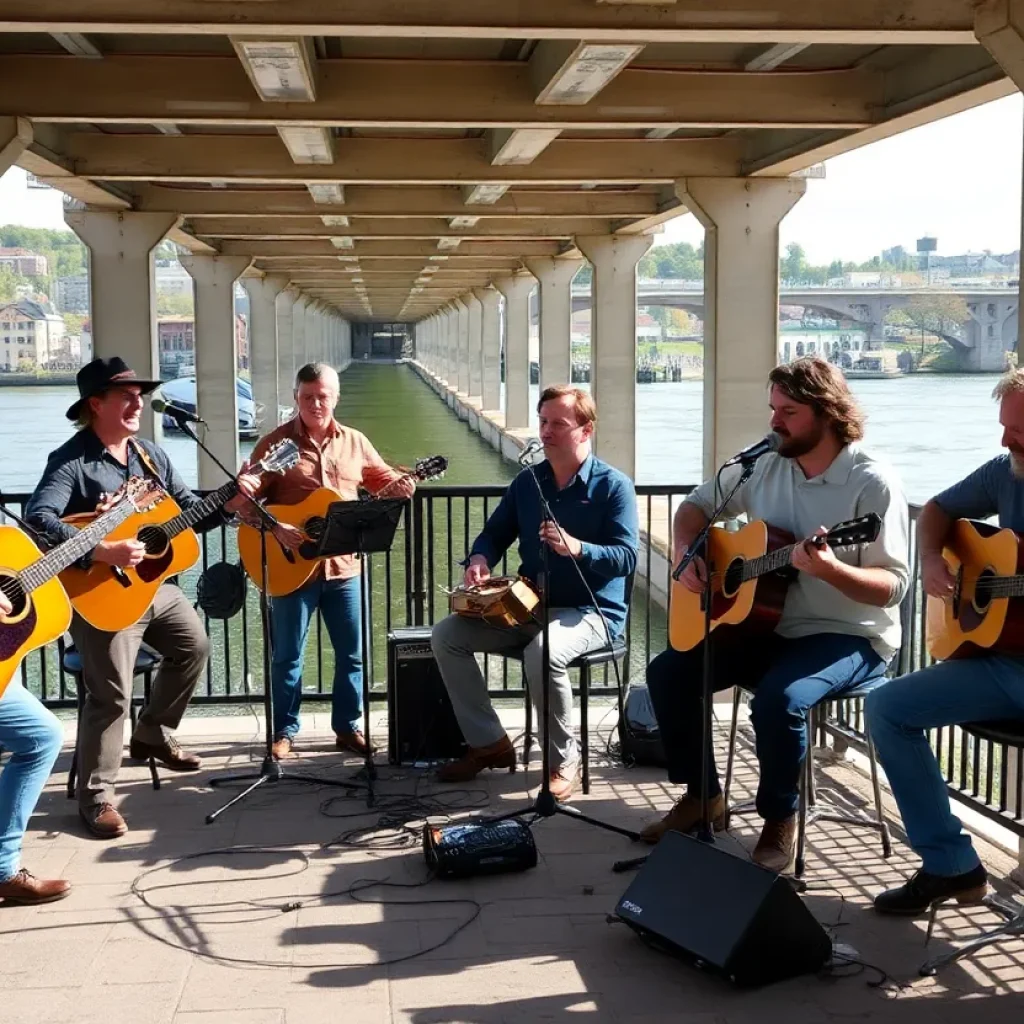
x,y
146,461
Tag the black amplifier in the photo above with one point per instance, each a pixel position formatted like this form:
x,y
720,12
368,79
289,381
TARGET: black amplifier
x,y
421,723
479,848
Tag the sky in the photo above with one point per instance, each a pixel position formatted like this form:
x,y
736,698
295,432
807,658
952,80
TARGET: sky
x,y
958,179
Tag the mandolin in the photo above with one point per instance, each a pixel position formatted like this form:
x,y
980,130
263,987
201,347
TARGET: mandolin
x,y
981,616
287,570
113,600
751,572
30,580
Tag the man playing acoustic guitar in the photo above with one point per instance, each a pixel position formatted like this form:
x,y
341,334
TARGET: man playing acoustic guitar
x,y
341,459
986,687
97,461
840,623
32,735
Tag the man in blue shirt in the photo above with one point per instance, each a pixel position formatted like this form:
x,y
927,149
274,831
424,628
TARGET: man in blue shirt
x,y
988,687
589,561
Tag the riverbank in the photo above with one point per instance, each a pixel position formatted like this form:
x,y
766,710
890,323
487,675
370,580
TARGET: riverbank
x,y
36,380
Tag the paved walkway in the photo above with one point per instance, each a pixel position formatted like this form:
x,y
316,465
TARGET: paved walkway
x,y
538,949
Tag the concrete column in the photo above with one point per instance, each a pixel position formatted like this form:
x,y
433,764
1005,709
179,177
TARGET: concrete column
x,y
490,331
299,333
516,288
216,358
121,287
462,327
554,275
452,347
285,354
476,344
741,218
264,357
346,345
613,343
16,136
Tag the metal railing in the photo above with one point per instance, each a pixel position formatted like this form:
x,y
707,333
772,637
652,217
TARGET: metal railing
x,y
407,587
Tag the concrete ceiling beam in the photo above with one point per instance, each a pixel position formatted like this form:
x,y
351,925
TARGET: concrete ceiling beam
x,y
498,95
398,161
869,22
425,249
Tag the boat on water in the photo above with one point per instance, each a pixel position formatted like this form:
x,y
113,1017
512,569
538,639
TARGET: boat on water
x,y
182,392
872,366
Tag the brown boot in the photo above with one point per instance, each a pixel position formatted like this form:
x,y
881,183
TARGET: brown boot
x,y
685,817
563,781
777,845
169,753
26,889
497,755
353,742
103,821
282,748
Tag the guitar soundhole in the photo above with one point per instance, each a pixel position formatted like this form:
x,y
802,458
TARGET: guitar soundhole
x,y
314,526
982,596
733,578
13,590
155,540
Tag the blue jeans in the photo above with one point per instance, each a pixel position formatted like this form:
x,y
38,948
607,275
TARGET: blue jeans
x,y
898,716
787,676
32,736
338,601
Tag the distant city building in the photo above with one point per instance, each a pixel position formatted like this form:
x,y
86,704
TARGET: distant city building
x,y
23,262
868,279
172,278
71,294
176,344
31,336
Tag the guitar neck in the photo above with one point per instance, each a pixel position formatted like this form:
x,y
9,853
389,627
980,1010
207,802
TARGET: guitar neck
x,y
197,513
1001,586
70,551
772,561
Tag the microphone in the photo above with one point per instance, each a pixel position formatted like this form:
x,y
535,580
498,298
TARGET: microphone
x,y
771,443
181,415
533,446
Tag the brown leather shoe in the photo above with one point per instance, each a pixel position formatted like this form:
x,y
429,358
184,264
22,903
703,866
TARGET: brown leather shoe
x,y
563,781
281,748
496,755
777,845
169,753
354,742
26,889
685,817
103,821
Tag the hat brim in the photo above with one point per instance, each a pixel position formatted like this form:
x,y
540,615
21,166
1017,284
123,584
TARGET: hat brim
x,y
144,386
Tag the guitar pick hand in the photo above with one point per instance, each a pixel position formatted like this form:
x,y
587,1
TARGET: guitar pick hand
x,y
815,557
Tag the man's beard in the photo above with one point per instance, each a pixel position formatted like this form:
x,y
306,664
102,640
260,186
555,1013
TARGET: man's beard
x,y
794,447
1017,465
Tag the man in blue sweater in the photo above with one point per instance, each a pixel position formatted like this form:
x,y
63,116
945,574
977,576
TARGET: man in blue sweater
x,y
595,509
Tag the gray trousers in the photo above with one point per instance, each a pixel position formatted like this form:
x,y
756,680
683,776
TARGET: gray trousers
x,y
172,628
457,639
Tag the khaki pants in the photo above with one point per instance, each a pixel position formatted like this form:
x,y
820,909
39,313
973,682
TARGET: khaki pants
x,y
172,628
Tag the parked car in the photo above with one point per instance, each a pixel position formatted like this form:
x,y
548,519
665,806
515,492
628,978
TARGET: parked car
x,y
182,392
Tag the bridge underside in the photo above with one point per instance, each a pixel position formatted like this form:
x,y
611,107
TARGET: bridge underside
x,y
431,162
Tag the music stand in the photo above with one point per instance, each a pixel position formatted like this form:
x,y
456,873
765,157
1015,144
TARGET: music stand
x,y
362,528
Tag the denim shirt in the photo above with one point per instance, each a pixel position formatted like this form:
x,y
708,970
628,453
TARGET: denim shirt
x,y
597,507
81,471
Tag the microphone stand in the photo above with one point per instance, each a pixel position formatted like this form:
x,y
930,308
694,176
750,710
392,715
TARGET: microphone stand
x,y
700,546
271,771
545,805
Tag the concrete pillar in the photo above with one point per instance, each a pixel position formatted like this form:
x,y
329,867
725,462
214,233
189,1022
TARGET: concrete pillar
x,y
121,288
452,346
741,218
462,327
264,357
285,353
490,331
299,333
15,137
216,358
346,345
554,276
476,344
516,288
613,343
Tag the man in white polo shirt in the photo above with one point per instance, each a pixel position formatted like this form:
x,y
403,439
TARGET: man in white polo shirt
x,y
840,625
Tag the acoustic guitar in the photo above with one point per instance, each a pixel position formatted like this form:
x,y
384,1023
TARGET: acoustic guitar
x,y
113,600
29,579
980,616
751,572
287,570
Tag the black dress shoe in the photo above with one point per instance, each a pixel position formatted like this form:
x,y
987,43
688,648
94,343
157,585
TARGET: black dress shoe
x,y
917,894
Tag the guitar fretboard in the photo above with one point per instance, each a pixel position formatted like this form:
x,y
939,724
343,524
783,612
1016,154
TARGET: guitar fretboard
x,y
57,560
1001,586
770,562
197,513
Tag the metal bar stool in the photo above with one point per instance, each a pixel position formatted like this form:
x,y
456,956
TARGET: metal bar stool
x,y
146,663
1010,733
810,811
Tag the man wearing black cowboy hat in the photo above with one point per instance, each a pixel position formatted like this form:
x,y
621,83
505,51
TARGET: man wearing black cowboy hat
x,y
98,460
